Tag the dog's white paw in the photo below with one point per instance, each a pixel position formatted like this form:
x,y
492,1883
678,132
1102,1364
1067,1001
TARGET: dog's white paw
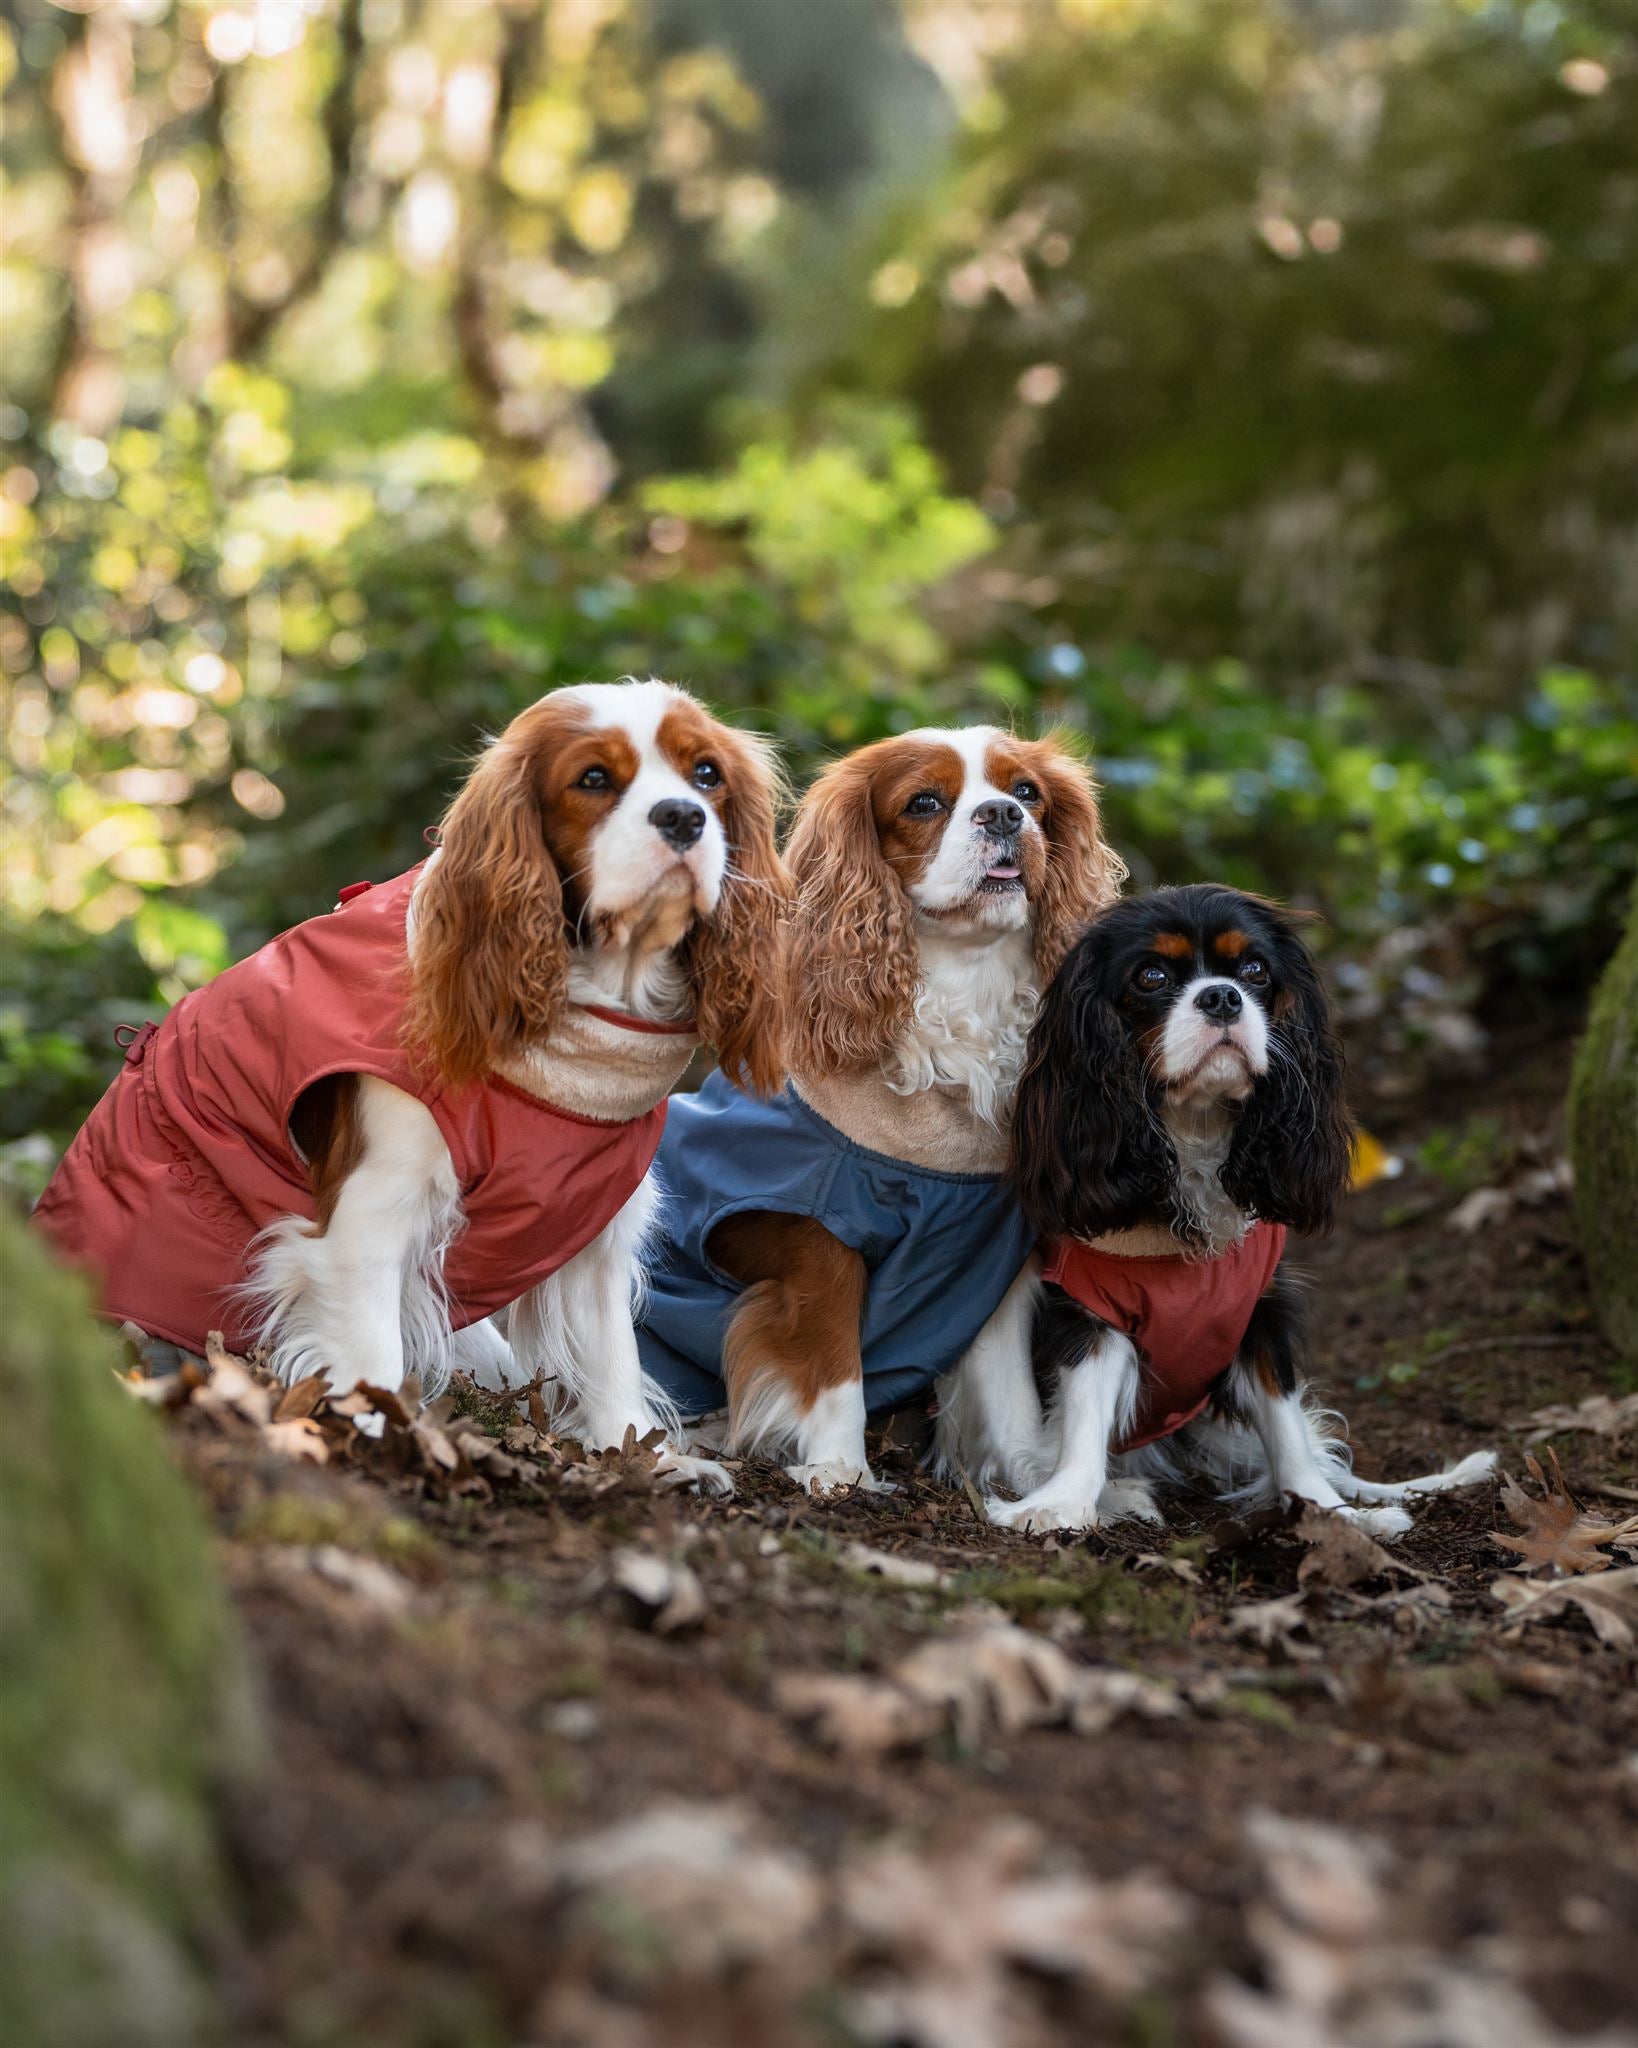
x,y
677,1468
1385,1523
1128,1500
834,1477
1040,1514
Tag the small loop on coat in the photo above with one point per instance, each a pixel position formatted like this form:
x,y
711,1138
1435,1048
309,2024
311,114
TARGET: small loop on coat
x,y
136,1044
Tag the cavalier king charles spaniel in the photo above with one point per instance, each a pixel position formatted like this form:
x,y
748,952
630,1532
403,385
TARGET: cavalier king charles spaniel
x,y
828,1253
442,1099
1181,1107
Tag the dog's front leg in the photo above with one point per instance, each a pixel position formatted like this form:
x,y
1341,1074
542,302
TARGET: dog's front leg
x,y
1093,1373
1265,1385
577,1329
990,1426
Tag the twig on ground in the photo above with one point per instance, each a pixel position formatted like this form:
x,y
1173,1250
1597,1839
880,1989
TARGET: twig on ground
x,y
1530,1342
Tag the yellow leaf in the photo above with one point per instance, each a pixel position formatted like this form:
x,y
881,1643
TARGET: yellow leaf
x,y
1373,1162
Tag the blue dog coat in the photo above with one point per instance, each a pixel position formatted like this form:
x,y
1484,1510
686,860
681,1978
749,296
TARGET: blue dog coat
x,y
941,1247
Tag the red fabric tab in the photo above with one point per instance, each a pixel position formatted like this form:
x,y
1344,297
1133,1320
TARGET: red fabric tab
x,y
352,889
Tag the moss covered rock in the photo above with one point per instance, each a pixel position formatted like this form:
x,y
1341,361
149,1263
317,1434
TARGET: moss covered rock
x,y
1604,1143
119,1708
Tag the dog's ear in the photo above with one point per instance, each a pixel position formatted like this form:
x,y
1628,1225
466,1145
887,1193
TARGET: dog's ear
x,y
851,969
489,960
732,955
1088,1153
1083,871
1294,1143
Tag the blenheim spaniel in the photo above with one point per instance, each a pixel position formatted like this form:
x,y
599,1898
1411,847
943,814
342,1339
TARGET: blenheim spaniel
x,y
828,1252
442,1099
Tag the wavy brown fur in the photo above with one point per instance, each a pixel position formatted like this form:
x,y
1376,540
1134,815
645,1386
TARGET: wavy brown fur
x,y
732,957
850,963
491,959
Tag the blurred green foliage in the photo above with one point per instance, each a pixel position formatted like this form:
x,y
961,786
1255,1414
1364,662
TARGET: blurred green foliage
x,y
1247,387
1304,331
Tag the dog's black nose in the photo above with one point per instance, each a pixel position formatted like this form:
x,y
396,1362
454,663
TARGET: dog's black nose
x,y
678,822
1221,1001
1001,818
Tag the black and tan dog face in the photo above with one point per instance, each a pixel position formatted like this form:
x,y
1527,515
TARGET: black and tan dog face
x,y
1188,998
1205,977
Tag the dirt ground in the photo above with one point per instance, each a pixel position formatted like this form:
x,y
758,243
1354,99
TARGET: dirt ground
x,y
513,1793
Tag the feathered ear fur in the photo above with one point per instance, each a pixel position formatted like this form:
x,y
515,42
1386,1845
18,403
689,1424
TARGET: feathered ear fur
x,y
850,964
1294,1143
490,962
1088,1153
731,958
1083,872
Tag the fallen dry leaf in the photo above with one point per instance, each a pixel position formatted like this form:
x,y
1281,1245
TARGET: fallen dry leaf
x,y
232,1390
1343,1967
1413,1608
301,1398
1609,1602
1556,1531
896,1570
856,1716
1484,1206
976,1940
663,1594
1323,1879
986,1676
1341,1555
1179,1568
168,1392
1105,1696
632,1465
1272,1624
376,1584
302,1439
1600,1415
704,1880
484,1455
995,1673
943,1935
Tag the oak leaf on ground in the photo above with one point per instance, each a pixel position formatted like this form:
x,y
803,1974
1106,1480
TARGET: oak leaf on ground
x,y
1553,1529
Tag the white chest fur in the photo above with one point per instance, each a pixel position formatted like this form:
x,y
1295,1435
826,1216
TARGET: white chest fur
x,y
943,1096
971,1022
598,1066
1202,1135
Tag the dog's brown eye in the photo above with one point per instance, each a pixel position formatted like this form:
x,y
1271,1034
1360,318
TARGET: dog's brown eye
x,y
707,775
1026,792
595,779
1254,970
925,803
1151,978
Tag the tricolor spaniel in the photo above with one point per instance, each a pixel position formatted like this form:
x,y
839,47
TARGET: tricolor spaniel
x,y
1181,1107
444,1097
827,1253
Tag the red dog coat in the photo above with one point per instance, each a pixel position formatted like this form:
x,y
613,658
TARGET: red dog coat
x,y
188,1154
1187,1317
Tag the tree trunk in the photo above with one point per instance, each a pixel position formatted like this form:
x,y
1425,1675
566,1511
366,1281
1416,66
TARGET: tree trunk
x,y
1604,1144
120,1704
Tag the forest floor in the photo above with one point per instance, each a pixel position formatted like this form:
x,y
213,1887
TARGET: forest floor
x,y
555,1757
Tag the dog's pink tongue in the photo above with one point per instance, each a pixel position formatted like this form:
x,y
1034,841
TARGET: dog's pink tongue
x,y
1002,874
